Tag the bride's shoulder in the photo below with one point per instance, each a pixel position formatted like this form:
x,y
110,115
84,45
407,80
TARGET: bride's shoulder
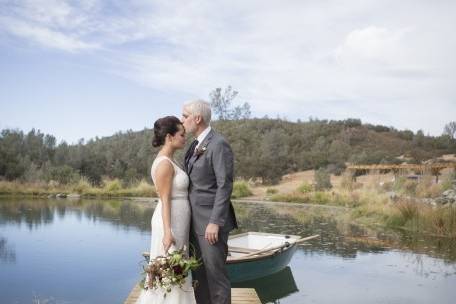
x,y
162,162
159,158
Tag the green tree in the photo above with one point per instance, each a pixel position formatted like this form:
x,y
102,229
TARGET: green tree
x,y
273,156
419,138
263,147
63,174
338,152
322,180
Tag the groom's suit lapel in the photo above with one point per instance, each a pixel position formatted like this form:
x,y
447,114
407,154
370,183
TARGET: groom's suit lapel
x,y
195,157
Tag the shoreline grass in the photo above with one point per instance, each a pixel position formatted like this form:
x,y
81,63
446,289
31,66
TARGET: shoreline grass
x,y
370,204
240,189
109,188
374,204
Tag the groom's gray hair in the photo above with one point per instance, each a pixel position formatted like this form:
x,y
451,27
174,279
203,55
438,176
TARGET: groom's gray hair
x,y
200,107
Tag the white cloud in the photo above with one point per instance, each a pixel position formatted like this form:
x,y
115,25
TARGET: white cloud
x,y
377,60
46,36
372,45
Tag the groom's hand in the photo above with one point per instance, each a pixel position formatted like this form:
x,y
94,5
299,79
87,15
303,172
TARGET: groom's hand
x,y
211,234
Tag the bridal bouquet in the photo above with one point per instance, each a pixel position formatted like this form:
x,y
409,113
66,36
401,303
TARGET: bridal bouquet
x,y
169,270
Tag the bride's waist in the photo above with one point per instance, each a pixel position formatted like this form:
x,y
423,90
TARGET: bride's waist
x,y
177,197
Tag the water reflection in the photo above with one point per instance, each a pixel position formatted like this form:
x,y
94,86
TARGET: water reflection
x,y
305,222
283,284
7,254
35,213
338,235
342,248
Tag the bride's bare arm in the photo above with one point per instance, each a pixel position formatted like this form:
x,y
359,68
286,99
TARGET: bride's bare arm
x,y
164,183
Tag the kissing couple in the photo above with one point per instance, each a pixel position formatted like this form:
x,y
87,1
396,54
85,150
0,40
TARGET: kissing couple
x,y
194,205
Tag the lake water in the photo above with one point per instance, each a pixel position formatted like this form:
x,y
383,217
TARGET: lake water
x,y
89,251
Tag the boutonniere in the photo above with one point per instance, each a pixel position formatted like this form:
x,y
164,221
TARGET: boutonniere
x,y
200,150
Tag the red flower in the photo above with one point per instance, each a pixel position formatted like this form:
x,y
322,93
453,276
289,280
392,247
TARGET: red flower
x,y
177,269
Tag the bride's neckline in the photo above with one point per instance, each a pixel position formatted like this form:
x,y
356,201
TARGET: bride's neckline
x,y
162,155
167,157
170,159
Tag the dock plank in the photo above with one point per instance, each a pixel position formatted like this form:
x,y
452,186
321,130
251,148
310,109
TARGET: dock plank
x,y
134,295
238,296
244,295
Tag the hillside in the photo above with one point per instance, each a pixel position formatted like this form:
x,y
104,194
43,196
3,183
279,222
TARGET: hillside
x,y
264,148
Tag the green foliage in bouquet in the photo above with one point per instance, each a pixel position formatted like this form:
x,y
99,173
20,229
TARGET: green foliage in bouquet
x,y
170,270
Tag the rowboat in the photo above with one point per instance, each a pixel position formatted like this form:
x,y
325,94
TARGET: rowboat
x,y
253,255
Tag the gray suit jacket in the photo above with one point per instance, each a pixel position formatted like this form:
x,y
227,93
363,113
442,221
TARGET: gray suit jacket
x,y
211,184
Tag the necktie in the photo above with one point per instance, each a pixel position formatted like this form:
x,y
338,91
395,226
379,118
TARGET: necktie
x,y
190,152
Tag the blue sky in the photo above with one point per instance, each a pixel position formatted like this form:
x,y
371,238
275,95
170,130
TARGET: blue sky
x,y
91,68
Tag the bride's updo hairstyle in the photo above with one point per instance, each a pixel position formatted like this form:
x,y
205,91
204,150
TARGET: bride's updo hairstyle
x,y
164,126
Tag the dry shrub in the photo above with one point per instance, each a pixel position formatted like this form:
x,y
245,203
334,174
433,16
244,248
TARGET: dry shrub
x,y
427,188
82,186
305,188
113,185
271,191
442,220
347,182
292,198
409,187
387,186
408,209
447,181
241,189
143,188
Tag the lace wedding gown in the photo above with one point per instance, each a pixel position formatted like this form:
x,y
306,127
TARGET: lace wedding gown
x,y
180,226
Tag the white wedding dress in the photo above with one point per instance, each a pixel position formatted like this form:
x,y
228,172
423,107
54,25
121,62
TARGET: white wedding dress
x,y
180,226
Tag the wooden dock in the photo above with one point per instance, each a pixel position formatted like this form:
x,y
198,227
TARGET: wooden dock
x,y
134,294
244,296
238,296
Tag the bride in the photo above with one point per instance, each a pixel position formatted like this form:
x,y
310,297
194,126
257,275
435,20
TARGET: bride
x,y
171,218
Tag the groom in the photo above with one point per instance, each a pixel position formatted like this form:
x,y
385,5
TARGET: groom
x,y
209,164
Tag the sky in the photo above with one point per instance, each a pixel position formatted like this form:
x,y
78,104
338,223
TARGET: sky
x,y
80,69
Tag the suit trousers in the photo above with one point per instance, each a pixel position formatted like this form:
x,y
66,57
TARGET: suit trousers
x,y
213,285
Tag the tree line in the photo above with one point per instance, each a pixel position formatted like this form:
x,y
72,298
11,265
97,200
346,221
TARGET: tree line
x,y
263,147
